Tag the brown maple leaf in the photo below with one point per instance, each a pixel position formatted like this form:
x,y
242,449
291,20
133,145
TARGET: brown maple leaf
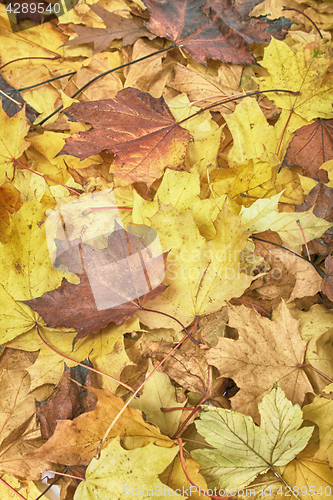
x,y
217,29
138,128
116,27
310,148
114,283
265,352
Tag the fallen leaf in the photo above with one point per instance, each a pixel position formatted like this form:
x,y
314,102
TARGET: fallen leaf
x,y
105,350
10,202
321,198
244,450
175,478
201,274
75,442
265,352
129,30
111,280
158,393
137,128
216,30
19,432
12,145
14,102
310,148
187,365
69,399
311,477
264,214
126,472
319,413
305,72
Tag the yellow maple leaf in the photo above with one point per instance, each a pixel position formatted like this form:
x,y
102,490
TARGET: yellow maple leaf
x,y
12,144
119,473
263,215
303,72
201,274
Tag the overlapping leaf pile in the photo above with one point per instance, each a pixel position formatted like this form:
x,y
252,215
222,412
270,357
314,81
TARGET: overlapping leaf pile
x,y
234,201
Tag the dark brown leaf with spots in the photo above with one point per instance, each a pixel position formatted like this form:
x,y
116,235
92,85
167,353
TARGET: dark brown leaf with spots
x,y
218,29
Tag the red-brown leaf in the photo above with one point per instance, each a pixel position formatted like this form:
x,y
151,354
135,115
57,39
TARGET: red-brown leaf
x,y
219,29
310,148
114,283
139,129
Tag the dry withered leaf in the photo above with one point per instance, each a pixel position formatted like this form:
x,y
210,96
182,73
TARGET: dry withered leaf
x,y
218,29
74,442
187,365
321,198
69,400
116,27
115,282
139,129
310,148
265,352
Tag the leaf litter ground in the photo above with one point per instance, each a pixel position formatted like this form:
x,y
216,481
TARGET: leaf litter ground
x,y
231,223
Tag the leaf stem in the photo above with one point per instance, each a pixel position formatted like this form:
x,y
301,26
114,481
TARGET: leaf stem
x,y
99,448
297,255
236,98
24,58
303,365
200,490
81,364
195,341
46,81
12,489
45,177
308,18
103,74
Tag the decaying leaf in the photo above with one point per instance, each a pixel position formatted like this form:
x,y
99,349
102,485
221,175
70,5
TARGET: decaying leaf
x,y
265,352
218,30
